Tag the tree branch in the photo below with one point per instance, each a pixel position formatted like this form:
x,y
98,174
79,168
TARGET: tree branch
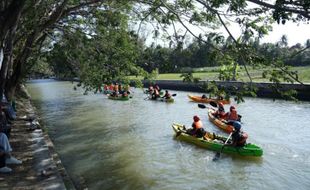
x,y
283,8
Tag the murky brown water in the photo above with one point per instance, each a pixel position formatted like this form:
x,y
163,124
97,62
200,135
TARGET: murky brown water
x,y
110,144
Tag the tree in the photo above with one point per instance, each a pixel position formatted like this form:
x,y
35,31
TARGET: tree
x,y
26,26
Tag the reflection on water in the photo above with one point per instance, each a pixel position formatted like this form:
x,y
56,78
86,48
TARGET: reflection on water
x,y
110,144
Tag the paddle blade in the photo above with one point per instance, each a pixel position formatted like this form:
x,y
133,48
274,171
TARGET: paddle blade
x,y
202,106
174,95
217,156
213,104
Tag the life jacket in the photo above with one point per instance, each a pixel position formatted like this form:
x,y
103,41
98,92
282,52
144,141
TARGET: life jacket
x,y
116,88
240,138
197,124
105,87
111,87
232,115
220,113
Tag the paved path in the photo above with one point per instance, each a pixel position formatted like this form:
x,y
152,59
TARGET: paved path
x,y
41,167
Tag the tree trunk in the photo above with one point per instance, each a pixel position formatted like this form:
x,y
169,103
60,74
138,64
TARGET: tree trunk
x,y
17,76
9,18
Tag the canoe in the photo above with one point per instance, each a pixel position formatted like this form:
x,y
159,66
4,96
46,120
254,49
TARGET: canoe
x,y
216,143
206,100
219,123
122,98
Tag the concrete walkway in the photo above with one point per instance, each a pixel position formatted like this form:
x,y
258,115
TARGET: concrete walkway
x,y
41,167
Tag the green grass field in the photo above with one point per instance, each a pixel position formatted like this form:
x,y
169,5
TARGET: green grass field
x,y
212,74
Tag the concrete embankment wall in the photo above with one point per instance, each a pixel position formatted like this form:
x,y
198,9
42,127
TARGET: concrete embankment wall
x,y
264,89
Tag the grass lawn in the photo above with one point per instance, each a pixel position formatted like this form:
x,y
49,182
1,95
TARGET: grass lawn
x,y
212,74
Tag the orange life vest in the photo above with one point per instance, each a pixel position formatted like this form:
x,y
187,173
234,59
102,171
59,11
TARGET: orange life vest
x,y
111,87
198,124
116,88
232,115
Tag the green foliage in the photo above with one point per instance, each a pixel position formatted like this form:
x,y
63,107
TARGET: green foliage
x,y
188,77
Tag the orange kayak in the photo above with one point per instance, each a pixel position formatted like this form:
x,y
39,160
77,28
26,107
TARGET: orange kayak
x,y
219,123
207,100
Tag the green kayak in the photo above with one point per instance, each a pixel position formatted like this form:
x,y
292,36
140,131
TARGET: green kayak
x,y
147,92
122,98
170,100
216,143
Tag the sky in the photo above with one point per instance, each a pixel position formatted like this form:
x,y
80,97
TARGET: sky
x,y
295,33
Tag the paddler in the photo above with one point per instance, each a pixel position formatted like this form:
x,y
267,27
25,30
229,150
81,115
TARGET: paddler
x,y
220,112
238,137
197,129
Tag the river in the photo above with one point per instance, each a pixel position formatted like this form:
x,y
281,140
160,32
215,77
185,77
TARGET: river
x,y
106,144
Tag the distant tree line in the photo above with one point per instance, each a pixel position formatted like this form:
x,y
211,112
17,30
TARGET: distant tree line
x,y
197,55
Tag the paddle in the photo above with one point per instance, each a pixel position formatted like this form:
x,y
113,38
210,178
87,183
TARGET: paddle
x,y
203,106
213,104
171,95
218,154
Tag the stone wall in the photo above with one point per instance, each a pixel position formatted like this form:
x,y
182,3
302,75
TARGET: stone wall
x,y
264,89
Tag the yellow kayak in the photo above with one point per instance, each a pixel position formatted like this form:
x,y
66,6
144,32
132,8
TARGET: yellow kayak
x,y
219,123
207,100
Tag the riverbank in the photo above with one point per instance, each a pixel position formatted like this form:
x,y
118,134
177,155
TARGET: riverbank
x,y
41,167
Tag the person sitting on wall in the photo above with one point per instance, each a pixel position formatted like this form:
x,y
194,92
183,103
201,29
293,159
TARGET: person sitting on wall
x,y
5,127
5,155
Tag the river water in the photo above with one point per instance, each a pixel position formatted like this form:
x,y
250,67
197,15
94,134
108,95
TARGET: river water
x,y
106,144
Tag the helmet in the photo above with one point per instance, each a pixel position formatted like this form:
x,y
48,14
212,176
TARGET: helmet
x,y
237,125
232,108
221,104
196,118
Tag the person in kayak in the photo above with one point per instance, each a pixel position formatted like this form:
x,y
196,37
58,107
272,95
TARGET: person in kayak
x,y
232,115
220,112
204,96
167,95
155,94
238,137
197,129
116,88
157,87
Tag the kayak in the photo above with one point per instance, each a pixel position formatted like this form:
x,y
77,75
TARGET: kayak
x,y
122,98
161,93
107,91
219,123
215,142
170,100
206,100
